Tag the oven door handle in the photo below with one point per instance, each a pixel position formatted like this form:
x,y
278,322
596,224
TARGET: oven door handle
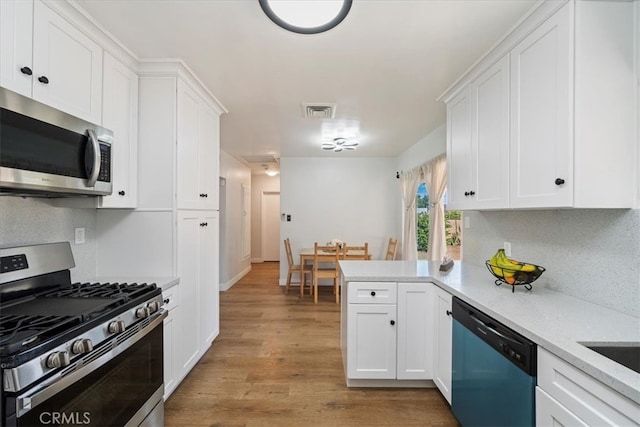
x,y
28,401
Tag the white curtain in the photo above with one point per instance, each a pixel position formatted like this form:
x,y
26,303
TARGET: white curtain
x,y
410,182
435,178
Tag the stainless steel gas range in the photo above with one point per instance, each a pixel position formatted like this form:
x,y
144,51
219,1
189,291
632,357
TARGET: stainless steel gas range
x,y
72,354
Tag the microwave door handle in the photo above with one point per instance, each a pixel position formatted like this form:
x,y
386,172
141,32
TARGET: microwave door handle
x,y
95,168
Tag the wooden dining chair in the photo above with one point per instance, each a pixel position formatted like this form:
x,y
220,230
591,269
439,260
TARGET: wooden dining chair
x,y
392,249
355,252
301,270
326,255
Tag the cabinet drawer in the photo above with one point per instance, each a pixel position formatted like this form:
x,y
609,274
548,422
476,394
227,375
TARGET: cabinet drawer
x,y
588,399
372,292
170,298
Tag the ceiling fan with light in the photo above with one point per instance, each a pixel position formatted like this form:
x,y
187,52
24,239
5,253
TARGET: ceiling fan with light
x,y
340,144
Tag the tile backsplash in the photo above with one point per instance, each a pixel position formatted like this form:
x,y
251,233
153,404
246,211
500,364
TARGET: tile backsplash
x,y
25,221
591,254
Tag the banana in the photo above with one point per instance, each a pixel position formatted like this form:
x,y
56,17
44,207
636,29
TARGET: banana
x,y
501,260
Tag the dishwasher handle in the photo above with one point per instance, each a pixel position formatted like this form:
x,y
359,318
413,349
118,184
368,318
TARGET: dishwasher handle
x,y
484,328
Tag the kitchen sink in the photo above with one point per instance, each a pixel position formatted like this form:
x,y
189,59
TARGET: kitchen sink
x,y
626,354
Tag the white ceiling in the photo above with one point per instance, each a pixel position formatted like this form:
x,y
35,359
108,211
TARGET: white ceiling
x,y
384,65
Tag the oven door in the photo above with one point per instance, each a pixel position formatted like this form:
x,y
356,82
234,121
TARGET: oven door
x,y
122,387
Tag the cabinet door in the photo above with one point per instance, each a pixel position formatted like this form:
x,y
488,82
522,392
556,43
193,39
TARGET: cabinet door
x,y
209,280
459,150
70,61
371,341
541,118
170,344
415,331
208,157
189,230
551,413
188,135
490,138
120,114
442,343
16,44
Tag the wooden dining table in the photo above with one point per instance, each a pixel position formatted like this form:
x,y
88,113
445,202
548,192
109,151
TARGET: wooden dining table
x,y
307,254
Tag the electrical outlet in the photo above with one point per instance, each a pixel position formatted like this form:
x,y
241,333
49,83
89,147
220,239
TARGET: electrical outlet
x,y
507,248
79,236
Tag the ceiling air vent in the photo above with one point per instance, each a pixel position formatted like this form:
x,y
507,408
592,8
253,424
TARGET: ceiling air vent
x,y
319,111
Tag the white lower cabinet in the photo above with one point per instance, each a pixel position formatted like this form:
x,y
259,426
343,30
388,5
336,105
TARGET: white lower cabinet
x,y
567,396
388,333
171,343
197,268
442,341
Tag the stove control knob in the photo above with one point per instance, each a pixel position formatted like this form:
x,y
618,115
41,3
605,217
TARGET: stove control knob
x,y
57,359
82,346
153,306
116,326
142,312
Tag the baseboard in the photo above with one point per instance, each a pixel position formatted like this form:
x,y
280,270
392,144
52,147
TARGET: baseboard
x,y
226,286
256,260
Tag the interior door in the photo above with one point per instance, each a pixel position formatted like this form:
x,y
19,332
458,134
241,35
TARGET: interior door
x,y
271,226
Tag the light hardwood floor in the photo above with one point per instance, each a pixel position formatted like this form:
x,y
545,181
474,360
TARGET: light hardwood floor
x,y
277,362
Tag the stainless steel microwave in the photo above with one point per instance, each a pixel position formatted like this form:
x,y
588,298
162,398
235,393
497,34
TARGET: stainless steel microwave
x,y
46,152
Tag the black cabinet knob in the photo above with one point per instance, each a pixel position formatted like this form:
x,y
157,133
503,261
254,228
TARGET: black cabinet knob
x,y
559,181
472,193
121,192
448,313
466,193
26,70
393,322
373,293
43,79
166,301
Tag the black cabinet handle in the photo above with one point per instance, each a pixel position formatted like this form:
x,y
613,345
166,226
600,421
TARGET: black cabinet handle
x,y
204,195
393,322
373,294
166,301
466,193
448,313
559,181
26,70
472,193
121,192
203,224
43,79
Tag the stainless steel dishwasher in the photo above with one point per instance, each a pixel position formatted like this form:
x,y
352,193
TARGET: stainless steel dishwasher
x,y
493,371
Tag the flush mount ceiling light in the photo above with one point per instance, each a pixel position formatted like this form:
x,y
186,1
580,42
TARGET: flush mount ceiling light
x,y
306,16
270,172
339,144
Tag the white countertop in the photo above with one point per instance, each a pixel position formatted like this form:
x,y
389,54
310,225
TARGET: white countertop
x,y
555,321
163,283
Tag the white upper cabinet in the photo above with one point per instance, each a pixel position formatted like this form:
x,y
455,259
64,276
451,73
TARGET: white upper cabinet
x,y
120,114
551,119
50,60
16,45
198,151
478,142
541,143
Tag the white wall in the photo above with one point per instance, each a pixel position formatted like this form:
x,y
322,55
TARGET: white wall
x,y
259,185
26,221
426,149
232,264
356,200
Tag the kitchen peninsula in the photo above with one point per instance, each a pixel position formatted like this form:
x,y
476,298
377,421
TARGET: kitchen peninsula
x,y
556,322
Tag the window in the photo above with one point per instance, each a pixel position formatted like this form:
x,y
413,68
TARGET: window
x,y
453,228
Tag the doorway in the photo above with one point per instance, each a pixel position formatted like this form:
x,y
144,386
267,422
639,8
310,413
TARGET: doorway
x,y
270,226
